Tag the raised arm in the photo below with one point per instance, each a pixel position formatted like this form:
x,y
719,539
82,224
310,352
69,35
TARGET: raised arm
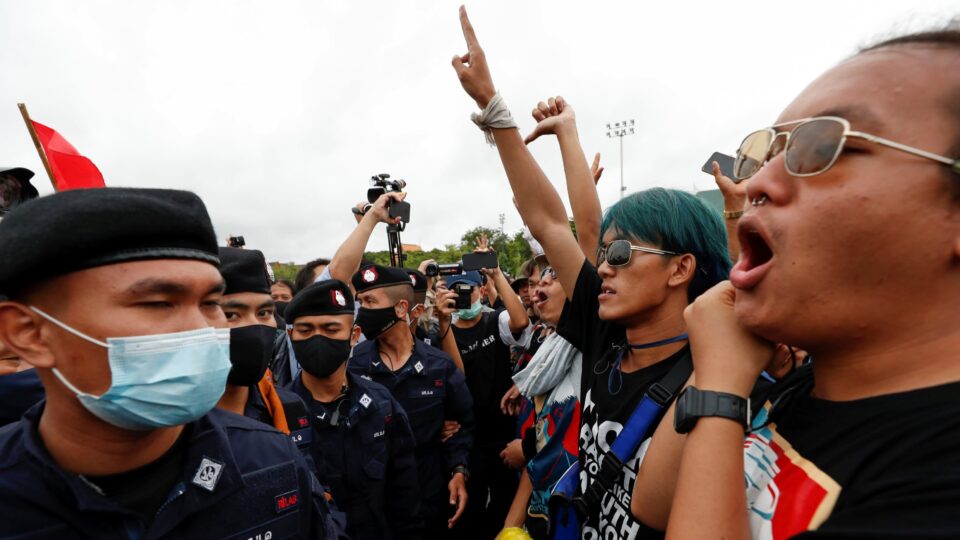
x,y
556,116
734,198
518,315
710,499
538,202
445,308
346,261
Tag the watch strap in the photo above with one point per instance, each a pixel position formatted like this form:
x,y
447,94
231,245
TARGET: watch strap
x,y
694,404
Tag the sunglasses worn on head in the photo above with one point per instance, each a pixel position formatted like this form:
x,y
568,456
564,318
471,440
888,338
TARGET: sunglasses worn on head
x,y
618,252
548,272
812,147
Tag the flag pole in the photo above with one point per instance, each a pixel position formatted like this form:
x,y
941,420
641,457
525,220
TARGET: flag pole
x,y
36,142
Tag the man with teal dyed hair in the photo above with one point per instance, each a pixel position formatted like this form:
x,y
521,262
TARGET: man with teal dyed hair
x,y
659,249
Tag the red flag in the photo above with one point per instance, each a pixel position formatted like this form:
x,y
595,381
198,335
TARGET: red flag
x,y
70,169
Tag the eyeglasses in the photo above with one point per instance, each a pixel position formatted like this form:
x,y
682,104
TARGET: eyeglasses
x,y
618,252
811,148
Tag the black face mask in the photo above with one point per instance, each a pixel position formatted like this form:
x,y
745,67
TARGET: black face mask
x,y
374,322
320,356
281,307
251,348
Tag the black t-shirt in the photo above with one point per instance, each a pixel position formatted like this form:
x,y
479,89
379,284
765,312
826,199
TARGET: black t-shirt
x,y
881,467
145,489
607,398
486,363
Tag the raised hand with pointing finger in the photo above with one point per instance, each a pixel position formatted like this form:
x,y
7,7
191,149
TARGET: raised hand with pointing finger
x,y
472,67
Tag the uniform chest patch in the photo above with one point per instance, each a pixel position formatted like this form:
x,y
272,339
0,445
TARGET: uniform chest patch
x,y
418,366
286,501
208,473
365,401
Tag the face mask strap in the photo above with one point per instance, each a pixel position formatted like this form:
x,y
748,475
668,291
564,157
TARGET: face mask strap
x,y
70,385
73,331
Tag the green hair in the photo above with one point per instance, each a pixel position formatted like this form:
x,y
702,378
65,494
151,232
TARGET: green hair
x,y
677,221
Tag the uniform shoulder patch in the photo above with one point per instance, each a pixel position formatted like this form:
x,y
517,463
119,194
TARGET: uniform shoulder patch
x,y
208,473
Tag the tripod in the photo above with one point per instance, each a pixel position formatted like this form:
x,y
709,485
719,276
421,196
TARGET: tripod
x,y
397,256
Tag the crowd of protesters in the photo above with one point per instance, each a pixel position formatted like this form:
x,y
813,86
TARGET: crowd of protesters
x,y
790,367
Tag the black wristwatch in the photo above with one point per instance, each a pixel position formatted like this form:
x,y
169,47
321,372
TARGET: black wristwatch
x,y
462,469
694,404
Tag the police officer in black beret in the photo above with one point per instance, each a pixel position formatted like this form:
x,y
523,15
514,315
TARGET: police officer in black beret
x,y
425,382
249,310
363,446
115,298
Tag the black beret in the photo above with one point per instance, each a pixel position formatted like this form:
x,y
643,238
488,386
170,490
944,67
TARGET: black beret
x,y
327,297
418,280
74,230
375,276
244,270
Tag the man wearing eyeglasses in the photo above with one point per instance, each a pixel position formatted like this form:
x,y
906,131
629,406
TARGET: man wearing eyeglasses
x,y
850,250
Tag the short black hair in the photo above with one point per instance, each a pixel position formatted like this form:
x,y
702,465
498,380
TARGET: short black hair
x,y
286,283
946,37
305,275
396,293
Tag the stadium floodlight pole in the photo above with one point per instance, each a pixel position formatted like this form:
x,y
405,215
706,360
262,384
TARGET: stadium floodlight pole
x,y
620,130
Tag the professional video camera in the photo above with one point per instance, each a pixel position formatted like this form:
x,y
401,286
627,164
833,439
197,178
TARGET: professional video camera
x,y
471,261
382,184
452,269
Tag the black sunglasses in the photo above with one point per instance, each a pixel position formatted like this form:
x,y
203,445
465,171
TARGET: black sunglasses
x,y
618,252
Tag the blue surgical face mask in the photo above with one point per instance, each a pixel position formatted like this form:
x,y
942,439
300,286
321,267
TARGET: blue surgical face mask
x,y
471,312
157,381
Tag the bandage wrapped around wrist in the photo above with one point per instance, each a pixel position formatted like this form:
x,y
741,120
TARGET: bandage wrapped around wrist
x,y
495,116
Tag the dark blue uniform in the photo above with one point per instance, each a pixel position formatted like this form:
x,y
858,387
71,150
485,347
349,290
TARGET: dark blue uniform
x,y
431,389
295,410
364,449
18,392
240,479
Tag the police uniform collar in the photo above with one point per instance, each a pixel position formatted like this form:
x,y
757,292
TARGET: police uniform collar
x,y
208,441
416,364
359,398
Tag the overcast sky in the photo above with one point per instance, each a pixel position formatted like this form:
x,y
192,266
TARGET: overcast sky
x,y
277,113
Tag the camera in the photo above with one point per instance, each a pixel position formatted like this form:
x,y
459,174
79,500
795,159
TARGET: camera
x,y
434,269
236,242
382,184
464,291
